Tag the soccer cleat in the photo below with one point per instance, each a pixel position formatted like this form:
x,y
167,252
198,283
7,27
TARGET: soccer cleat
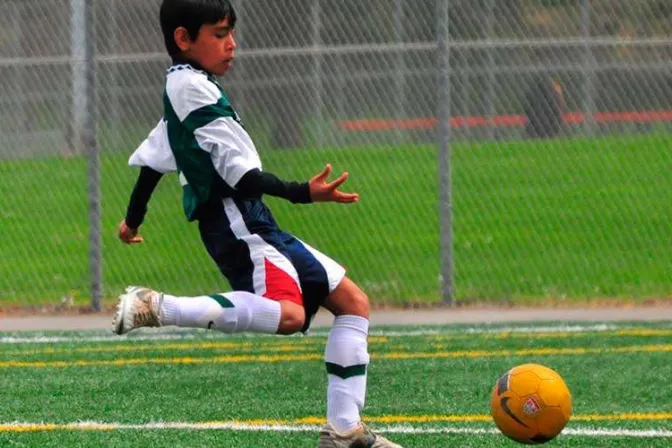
x,y
138,307
360,437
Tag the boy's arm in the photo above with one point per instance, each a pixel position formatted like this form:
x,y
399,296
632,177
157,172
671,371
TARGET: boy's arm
x,y
147,181
154,157
255,183
205,112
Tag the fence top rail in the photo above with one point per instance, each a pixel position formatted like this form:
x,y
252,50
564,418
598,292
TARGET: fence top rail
x,y
316,50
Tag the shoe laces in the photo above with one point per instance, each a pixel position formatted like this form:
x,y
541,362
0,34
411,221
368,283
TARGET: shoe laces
x,y
146,316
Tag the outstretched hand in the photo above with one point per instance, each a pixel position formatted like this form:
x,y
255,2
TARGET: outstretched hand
x,y
323,191
128,235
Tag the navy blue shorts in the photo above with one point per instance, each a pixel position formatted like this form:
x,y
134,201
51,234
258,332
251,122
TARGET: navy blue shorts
x,y
244,240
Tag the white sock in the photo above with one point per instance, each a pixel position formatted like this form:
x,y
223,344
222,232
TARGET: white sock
x,y
347,358
231,312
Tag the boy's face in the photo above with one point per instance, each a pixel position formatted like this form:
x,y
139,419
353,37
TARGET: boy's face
x,y
214,48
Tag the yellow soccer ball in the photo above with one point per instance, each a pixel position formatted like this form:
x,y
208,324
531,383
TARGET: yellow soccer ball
x,y
531,404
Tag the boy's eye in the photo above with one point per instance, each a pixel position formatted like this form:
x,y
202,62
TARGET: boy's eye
x,y
221,34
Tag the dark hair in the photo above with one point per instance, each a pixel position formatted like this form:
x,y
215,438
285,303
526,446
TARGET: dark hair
x,y
192,14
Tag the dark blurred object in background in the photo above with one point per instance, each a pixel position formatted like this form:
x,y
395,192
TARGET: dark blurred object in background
x,y
544,106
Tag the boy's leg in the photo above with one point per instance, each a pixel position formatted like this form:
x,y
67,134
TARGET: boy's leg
x,y
347,359
346,355
324,283
245,243
231,312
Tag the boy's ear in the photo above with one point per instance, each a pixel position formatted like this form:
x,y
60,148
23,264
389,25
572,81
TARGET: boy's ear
x,y
181,36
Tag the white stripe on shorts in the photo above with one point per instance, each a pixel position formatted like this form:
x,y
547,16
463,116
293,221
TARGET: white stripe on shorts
x,y
335,272
259,250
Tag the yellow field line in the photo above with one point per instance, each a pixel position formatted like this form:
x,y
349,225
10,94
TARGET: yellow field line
x,y
246,346
635,332
234,359
281,345
527,352
304,344
176,360
385,419
625,417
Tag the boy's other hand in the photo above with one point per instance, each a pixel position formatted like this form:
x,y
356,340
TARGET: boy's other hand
x,y
128,235
323,191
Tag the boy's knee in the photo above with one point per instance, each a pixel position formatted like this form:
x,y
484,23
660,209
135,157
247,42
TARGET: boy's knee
x,y
359,304
348,299
292,318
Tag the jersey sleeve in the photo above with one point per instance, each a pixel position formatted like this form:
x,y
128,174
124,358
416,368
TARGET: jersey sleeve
x,y
232,152
205,112
154,152
147,181
256,183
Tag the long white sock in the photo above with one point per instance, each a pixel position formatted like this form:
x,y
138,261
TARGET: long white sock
x,y
346,357
231,312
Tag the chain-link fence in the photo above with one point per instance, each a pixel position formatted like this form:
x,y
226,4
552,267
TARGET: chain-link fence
x,y
541,170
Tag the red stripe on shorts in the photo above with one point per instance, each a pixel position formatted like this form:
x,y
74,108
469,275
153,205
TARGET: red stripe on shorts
x,y
280,285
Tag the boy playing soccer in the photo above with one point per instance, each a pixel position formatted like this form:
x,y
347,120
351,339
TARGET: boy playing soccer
x,y
279,281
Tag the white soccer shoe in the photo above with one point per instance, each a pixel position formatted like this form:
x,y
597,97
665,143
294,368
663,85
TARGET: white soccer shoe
x,y
360,437
138,307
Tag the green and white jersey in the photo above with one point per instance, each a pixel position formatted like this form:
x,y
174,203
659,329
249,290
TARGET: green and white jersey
x,y
205,135
154,152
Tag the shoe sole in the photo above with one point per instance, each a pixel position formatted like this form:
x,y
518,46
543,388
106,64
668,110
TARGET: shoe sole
x,y
123,310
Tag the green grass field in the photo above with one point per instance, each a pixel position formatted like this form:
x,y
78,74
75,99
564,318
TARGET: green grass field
x,y
428,386
557,220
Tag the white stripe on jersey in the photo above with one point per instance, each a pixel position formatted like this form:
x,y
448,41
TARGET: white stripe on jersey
x,y
259,250
183,180
231,149
189,90
155,151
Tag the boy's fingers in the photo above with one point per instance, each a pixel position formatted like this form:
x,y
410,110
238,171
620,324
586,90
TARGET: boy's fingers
x,y
338,182
346,197
132,239
325,173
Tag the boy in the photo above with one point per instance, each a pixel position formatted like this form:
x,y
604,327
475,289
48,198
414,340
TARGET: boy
x,y
279,282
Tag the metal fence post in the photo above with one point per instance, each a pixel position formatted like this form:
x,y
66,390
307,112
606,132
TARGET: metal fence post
x,y
90,142
19,111
444,175
400,75
239,70
114,68
78,111
317,70
490,22
340,97
588,70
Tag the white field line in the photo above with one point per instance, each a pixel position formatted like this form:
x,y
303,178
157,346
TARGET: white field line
x,y
145,335
241,426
